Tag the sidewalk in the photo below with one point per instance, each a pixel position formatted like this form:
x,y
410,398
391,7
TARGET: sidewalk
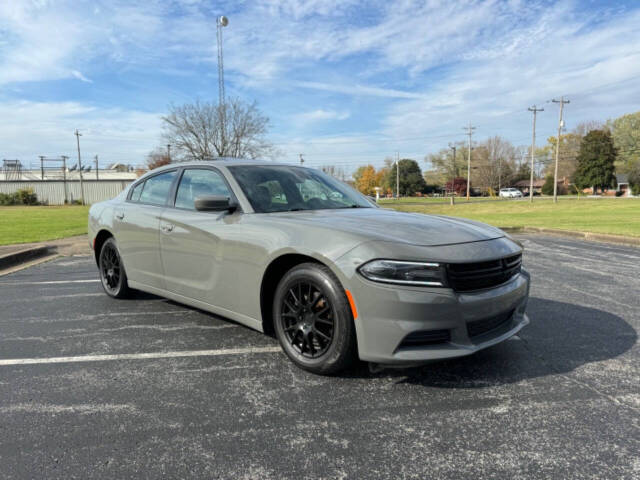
x,y
18,256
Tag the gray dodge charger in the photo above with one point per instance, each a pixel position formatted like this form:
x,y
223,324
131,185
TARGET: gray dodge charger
x,y
293,252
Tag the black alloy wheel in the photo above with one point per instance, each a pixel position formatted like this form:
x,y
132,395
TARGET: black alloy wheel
x,y
112,274
313,319
307,318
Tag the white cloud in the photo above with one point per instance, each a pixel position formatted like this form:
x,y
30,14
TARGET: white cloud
x,y
29,129
80,76
357,90
321,114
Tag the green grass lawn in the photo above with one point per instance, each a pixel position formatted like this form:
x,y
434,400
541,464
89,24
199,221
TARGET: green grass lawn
x,y
37,224
619,216
603,215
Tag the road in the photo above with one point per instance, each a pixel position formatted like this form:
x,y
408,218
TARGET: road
x,y
92,387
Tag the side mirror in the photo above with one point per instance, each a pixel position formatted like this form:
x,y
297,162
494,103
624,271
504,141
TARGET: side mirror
x,y
214,203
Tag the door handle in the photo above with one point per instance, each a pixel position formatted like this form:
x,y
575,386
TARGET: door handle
x,y
120,215
167,227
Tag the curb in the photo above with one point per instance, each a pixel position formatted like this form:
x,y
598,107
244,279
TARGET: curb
x,y
593,237
25,255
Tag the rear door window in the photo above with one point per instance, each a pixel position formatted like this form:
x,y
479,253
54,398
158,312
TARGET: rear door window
x,y
137,190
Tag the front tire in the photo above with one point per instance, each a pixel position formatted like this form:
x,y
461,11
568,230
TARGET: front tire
x,y
112,274
313,320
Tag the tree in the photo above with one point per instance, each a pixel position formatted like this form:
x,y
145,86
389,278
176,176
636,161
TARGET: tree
x,y
596,161
365,179
634,178
411,179
522,173
501,162
547,187
459,186
625,131
196,130
444,167
157,158
567,159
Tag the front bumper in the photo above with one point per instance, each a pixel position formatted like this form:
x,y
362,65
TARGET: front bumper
x,y
387,314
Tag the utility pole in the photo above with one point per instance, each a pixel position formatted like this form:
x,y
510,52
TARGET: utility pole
x,y
562,101
301,159
64,177
453,166
469,130
533,148
97,178
78,135
169,152
397,174
41,157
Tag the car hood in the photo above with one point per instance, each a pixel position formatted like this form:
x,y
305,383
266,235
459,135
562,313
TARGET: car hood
x,y
390,225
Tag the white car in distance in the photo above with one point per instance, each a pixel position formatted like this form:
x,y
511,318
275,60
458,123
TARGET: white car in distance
x,y
510,193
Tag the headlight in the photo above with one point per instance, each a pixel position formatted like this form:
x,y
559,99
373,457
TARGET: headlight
x,y
405,273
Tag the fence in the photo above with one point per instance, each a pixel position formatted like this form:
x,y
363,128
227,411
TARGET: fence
x,y
52,192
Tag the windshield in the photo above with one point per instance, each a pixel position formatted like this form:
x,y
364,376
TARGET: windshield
x,y
286,189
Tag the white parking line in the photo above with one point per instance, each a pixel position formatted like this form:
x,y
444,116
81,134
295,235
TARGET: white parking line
x,y
138,356
52,282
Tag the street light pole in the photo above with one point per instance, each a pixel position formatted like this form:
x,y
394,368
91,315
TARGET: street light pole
x,y
221,22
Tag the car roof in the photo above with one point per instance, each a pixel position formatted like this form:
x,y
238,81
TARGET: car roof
x,y
226,162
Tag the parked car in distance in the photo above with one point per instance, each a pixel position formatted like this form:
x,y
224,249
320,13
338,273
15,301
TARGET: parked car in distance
x,y
510,193
290,250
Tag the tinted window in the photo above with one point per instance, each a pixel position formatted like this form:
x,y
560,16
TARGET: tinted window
x,y
280,188
196,182
137,190
156,189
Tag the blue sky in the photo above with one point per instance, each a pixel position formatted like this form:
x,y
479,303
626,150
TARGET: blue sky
x,y
343,82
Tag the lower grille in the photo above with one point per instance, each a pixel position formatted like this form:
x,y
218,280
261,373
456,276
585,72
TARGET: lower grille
x,y
425,337
486,325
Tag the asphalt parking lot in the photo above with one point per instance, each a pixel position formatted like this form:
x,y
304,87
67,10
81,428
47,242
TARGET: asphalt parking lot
x,y
561,400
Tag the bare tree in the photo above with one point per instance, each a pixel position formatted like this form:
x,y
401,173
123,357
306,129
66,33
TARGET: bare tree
x,y
335,172
495,163
205,130
157,158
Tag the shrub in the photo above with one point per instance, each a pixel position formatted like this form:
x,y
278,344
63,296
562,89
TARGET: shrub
x,y
547,188
634,179
23,196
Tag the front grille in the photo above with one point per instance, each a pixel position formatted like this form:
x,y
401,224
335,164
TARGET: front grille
x,y
486,325
425,337
465,277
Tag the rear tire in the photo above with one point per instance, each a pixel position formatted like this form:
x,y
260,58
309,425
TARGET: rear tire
x,y
112,274
313,320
